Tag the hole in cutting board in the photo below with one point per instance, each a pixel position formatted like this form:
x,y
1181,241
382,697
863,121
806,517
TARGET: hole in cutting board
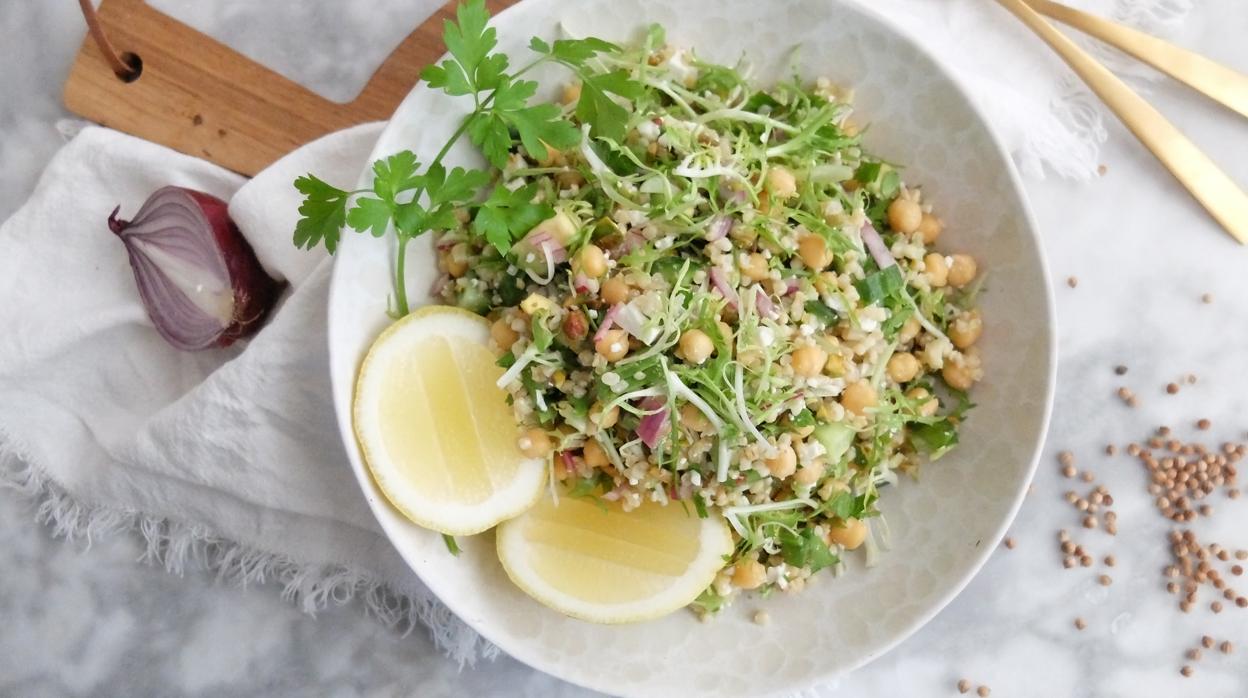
x,y
331,48
135,61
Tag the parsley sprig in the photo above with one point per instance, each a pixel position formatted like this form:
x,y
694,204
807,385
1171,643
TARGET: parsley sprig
x,y
410,201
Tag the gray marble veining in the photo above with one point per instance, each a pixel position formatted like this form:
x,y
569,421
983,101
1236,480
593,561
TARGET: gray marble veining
x,y
93,622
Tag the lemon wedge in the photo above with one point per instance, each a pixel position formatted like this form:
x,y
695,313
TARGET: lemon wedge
x,y
436,432
598,563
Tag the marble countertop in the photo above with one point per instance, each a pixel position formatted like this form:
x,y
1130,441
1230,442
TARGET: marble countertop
x,y
93,622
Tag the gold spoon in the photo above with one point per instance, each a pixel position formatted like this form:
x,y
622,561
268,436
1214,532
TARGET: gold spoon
x,y
1217,192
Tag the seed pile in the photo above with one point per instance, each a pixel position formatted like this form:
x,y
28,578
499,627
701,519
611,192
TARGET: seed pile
x,y
1183,475
1195,565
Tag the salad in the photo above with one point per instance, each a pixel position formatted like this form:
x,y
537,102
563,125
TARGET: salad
x,y
705,293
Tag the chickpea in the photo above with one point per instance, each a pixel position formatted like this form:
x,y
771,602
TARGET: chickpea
x,y
534,443
457,260
930,228
605,420
591,261
754,266
613,346
963,270
571,92
783,463
834,366
904,216
593,454
966,329
909,330
813,250
859,397
502,334
808,475
808,361
927,408
937,269
957,375
614,290
749,574
903,367
696,346
780,183
848,532
693,418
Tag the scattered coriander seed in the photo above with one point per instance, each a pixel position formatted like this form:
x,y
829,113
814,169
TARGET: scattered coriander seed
x,y
1072,281
1086,561
1080,623
1206,641
1190,378
1105,580
1237,570
1172,588
1172,388
1068,562
1009,543
1066,458
1241,554
1063,536
1206,298
964,686
1068,471
1111,450
983,692
1186,606
1186,670
1120,370
1233,494
1216,606
1226,647
1241,602
1087,476
761,618
1194,654
1203,424
1089,522
1110,561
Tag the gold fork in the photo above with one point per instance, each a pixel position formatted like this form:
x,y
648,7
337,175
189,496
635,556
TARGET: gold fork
x,y
1217,192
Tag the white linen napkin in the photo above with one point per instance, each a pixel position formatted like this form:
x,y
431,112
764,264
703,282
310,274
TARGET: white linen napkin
x,y
229,459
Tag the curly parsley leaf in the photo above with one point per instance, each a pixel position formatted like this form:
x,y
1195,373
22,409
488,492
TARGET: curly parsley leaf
x,y
322,213
507,215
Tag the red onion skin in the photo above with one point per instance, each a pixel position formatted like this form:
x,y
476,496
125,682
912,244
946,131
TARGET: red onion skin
x,y
255,292
720,281
607,321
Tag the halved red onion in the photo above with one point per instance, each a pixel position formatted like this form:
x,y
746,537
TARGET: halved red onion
x,y
720,281
654,424
718,228
607,321
791,286
580,284
875,245
197,276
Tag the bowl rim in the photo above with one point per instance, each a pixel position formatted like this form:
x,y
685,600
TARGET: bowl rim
x,y
343,412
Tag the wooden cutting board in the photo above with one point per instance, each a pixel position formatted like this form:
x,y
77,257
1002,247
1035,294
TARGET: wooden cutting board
x,y
197,95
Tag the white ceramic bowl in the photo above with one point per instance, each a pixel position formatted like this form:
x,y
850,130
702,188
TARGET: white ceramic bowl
x,y
943,528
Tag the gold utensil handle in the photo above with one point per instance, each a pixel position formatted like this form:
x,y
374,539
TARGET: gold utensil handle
x,y
1224,200
1214,80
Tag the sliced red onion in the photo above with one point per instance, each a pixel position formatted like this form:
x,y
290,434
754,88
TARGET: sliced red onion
x,y
791,286
875,244
198,278
719,229
632,241
763,302
607,321
568,464
654,424
581,283
720,281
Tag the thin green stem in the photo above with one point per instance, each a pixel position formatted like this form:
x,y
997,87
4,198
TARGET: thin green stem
x,y
400,281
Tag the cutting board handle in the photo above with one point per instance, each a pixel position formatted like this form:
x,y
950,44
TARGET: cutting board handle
x,y
201,97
